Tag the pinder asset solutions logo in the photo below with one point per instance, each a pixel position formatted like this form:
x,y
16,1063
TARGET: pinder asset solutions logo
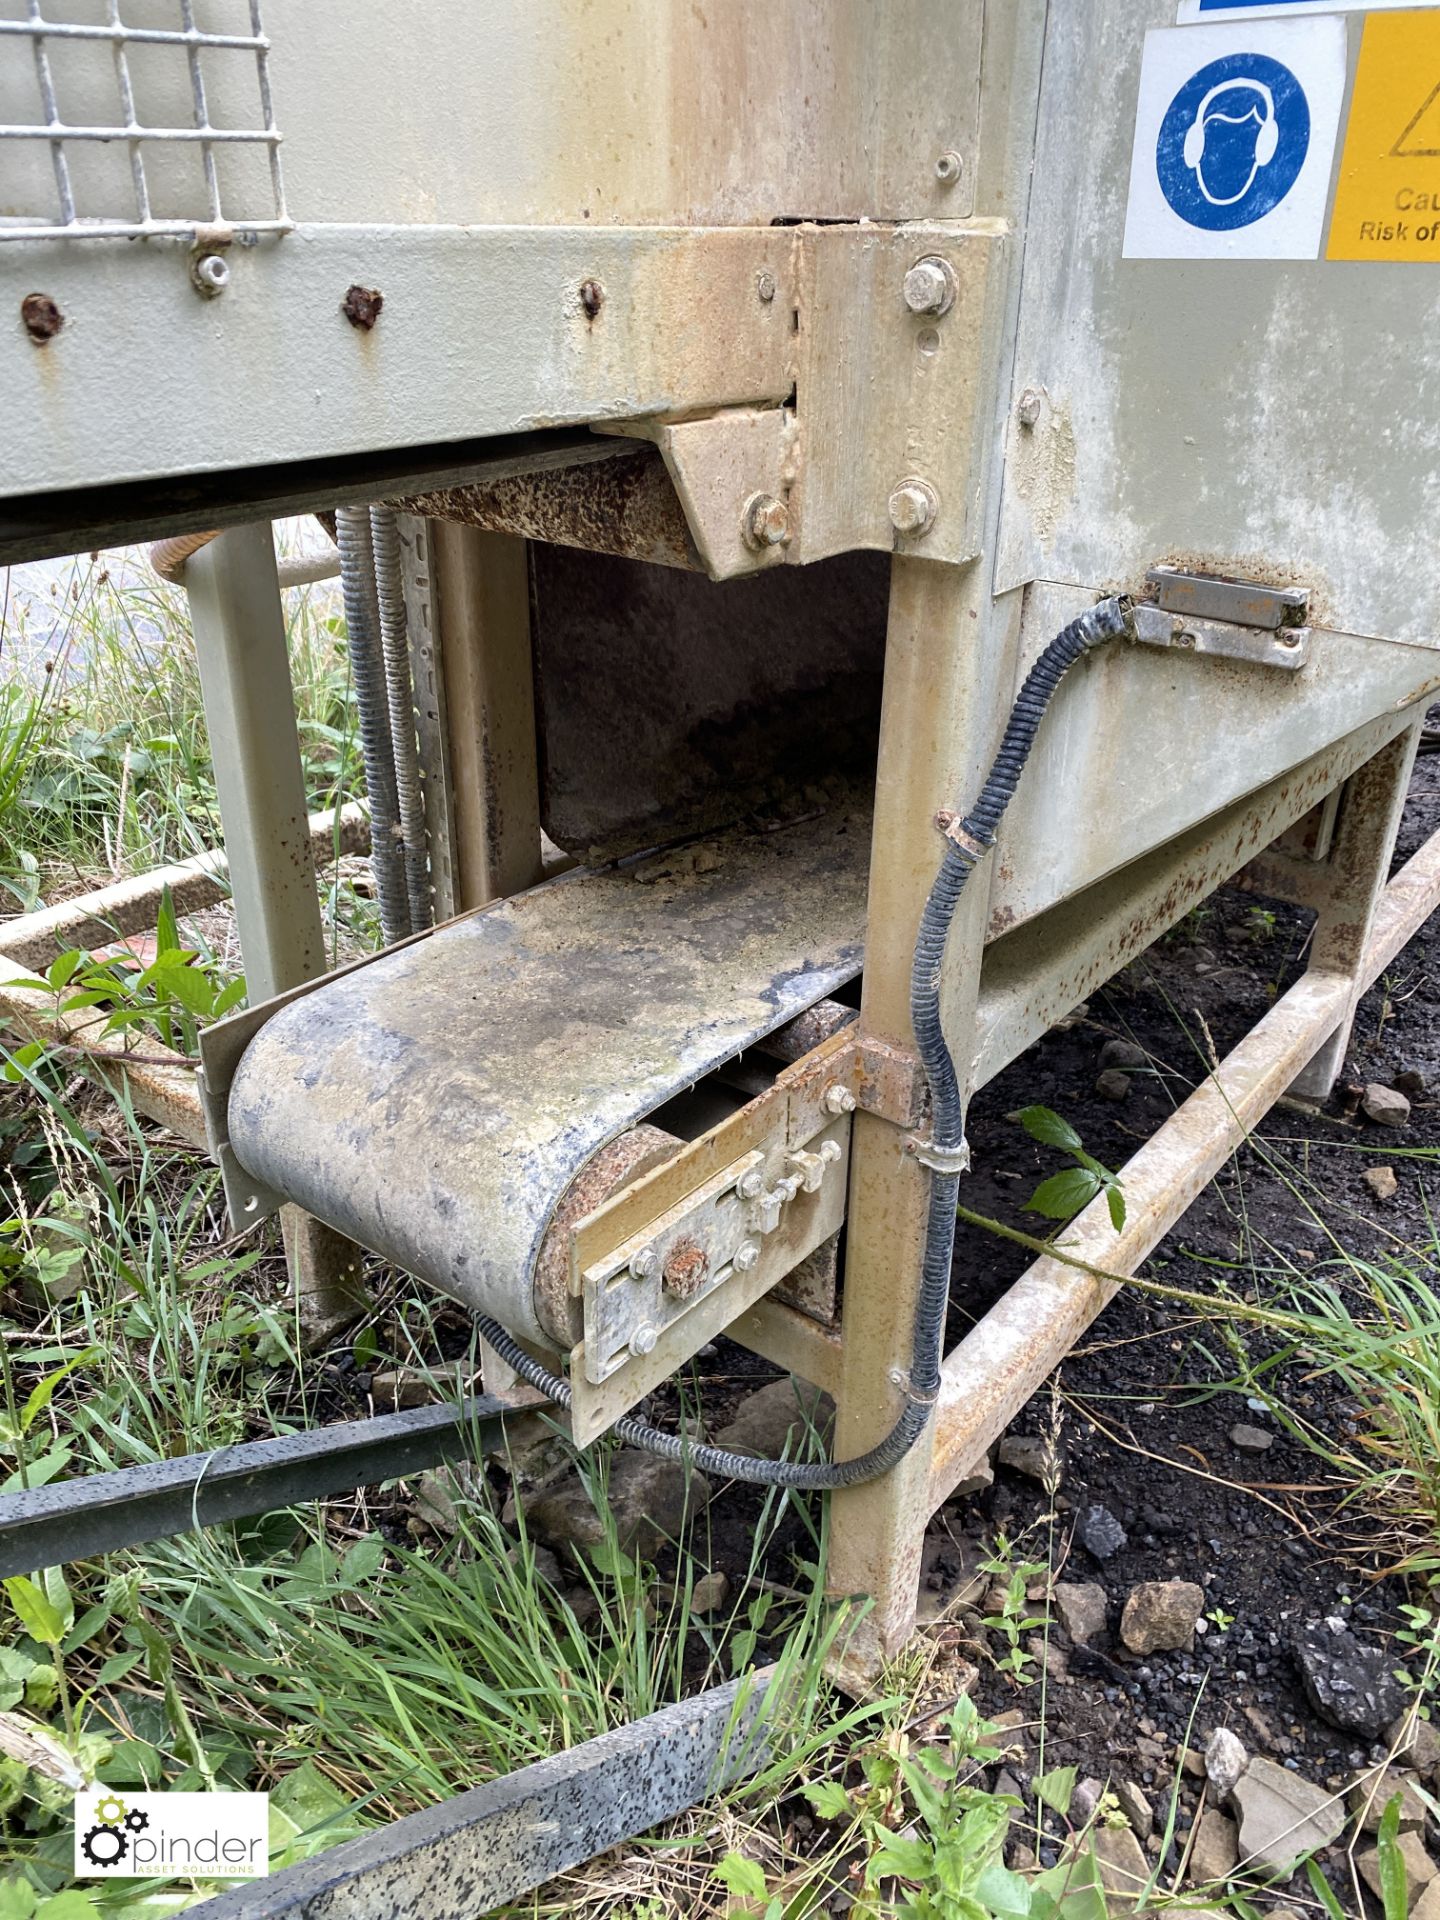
x,y
171,1836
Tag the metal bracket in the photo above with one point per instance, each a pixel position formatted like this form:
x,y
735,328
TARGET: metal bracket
x,y
1237,603
1287,648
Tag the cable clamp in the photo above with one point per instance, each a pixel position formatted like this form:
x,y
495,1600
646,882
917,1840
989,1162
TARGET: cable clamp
x,y
940,1159
965,843
901,1377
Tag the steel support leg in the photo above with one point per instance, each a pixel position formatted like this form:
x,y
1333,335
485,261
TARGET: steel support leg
x,y
1355,876
946,698
240,645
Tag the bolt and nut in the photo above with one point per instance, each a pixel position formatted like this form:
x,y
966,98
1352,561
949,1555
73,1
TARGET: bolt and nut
x,y
592,297
645,1264
751,1184
947,167
361,306
765,521
929,286
211,274
765,285
642,1341
838,1099
830,1151
747,1257
1028,407
913,506
686,1268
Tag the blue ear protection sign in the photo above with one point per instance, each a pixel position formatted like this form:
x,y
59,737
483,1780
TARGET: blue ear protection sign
x,y
1233,141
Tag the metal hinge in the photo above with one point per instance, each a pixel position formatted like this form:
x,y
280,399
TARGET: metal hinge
x,y
1233,619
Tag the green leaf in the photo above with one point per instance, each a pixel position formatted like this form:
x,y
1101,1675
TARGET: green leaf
x,y
22,1059
362,1562
1394,1881
228,997
69,1905
1046,1126
1115,1201
1063,1195
910,1859
829,1799
1055,1789
62,969
743,1876
1323,1892
37,1616
42,1395
190,987
167,927
117,1666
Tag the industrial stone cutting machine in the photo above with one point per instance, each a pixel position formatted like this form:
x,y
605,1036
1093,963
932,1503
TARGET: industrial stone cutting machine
x,y
723,411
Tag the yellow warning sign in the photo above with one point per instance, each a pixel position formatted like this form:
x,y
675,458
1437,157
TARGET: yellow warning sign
x,y
1387,203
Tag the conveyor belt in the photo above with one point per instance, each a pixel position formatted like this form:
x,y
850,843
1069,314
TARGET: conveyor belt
x,y
435,1104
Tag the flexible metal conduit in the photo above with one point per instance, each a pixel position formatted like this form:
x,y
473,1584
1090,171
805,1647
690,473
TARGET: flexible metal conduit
x,y
947,1153
367,665
400,694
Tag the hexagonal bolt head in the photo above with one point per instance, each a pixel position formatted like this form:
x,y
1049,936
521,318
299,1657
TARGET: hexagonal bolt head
x,y
765,521
645,1264
913,506
948,166
838,1099
211,274
930,285
642,1341
751,1183
686,1267
747,1257
1028,407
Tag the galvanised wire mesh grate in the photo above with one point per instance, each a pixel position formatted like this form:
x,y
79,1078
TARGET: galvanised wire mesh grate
x,y
184,42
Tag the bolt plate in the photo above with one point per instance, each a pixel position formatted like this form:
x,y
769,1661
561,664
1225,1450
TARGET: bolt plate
x,y
1287,648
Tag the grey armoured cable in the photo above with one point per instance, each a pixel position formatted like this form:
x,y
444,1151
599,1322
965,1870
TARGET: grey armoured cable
x,y
367,667
400,696
946,1151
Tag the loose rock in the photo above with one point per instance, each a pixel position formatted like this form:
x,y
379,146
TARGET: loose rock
x,y
1135,1807
775,1417
1081,1605
1384,1106
1375,1788
1037,1458
1414,1743
1123,1054
1427,1907
402,1388
1225,1761
1420,1869
1348,1682
1283,1816
1215,1850
1410,1082
650,1500
1123,1867
1160,1615
1101,1533
1381,1182
1112,1084
709,1593
441,1494
1251,1439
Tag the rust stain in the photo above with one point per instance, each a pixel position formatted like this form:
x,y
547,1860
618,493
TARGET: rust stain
x,y
615,1166
686,1266
592,298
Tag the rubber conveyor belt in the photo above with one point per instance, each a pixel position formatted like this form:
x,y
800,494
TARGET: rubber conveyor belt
x,y
435,1103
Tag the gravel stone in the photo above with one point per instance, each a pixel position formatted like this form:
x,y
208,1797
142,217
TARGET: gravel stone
x,y
774,1417
1251,1439
1113,1085
1375,1788
1101,1533
650,1500
1037,1458
1216,1848
1348,1681
1160,1616
1384,1106
1283,1816
1135,1807
1123,1054
1381,1182
1420,1869
1414,1743
1082,1606
1225,1761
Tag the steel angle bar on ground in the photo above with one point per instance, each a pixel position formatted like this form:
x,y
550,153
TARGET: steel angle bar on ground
x,y
48,1526
498,1841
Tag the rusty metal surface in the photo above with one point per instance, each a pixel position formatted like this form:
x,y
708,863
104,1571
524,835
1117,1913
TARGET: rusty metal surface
x,y
624,505
668,704
459,1859
436,1103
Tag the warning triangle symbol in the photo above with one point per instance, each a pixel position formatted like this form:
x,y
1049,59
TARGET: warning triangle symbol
x,y
1421,138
